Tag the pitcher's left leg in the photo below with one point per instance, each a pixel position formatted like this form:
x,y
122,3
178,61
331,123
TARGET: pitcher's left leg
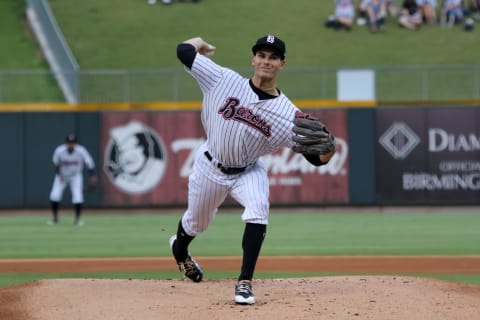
x,y
252,191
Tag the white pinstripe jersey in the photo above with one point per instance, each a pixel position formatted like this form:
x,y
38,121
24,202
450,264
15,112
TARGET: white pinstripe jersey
x,y
239,126
72,163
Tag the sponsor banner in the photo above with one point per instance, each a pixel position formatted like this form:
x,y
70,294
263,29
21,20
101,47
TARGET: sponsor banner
x,y
148,157
428,155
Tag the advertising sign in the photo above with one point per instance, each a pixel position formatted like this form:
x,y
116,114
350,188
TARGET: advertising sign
x,y
148,157
428,155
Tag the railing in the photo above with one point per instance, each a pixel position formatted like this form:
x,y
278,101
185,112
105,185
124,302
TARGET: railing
x,y
62,62
408,83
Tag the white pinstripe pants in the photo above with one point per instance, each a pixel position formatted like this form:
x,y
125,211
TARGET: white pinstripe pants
x,y
208,187
76,187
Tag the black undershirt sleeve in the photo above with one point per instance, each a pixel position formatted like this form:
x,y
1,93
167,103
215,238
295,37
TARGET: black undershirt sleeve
x,y
186,54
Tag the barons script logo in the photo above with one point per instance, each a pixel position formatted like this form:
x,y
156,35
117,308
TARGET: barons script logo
x,y
135,158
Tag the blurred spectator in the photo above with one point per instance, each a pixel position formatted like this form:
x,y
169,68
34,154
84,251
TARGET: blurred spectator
x,y
469,22
452,12
410,16
163,1
362,8
472,10
428,9
344,14
375,11
392,8
390,5
472,5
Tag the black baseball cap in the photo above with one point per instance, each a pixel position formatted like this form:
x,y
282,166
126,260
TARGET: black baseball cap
x,y
72,138
270,41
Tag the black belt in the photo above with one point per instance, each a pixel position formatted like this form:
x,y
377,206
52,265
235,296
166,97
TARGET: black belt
x,y
225,170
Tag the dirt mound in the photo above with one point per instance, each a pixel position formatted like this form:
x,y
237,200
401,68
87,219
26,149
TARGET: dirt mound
x,y
342,297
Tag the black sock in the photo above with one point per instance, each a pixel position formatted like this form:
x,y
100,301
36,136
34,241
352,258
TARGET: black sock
x,y
78,211
180,249
253,236
54,205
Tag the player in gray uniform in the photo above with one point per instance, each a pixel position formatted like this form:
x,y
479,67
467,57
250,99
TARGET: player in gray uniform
x,y
244,119
68,161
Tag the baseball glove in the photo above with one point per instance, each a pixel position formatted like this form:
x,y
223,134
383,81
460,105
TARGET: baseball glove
x,y
311,136
92,184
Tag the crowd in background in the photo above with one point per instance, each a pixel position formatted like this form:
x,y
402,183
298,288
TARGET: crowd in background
x,y
410,14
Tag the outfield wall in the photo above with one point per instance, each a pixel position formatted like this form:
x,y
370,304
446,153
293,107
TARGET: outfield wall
x,y
395,155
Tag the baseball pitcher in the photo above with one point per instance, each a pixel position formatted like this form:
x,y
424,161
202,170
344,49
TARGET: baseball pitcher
x,y
243,119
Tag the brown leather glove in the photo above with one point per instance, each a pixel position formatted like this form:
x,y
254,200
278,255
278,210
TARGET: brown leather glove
x,y
311,135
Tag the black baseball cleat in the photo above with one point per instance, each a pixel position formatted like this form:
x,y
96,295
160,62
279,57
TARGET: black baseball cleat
x,y
244,293
190,268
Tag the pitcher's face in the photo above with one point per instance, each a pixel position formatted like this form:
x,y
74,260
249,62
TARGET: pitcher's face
x,y
267,64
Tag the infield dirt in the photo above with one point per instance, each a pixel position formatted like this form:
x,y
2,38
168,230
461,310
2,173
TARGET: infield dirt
x,y
341,297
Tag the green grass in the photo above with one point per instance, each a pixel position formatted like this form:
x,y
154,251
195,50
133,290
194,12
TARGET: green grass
x,y
108,35
138,235
19,51
403,232
17,46
136,35
133,35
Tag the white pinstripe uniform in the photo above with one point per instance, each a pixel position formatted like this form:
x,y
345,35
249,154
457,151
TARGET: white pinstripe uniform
x,y
240,128
70,172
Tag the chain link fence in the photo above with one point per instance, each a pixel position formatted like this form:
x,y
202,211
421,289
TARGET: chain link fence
x,y
408,83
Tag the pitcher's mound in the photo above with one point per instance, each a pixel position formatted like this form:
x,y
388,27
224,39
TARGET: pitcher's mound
x,y
341,297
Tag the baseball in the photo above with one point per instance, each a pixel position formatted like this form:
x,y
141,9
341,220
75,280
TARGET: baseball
x,y
209,50
209,53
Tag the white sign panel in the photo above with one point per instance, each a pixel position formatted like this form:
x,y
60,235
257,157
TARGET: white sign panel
x,y
355,85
